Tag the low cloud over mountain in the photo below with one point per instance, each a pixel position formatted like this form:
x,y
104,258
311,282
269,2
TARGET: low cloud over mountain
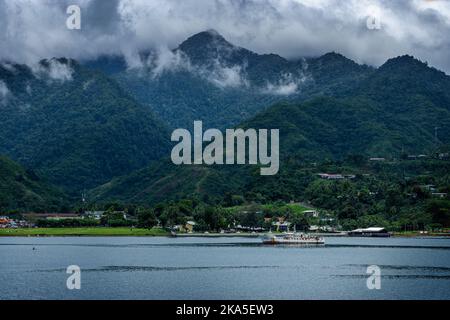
x,y
34,30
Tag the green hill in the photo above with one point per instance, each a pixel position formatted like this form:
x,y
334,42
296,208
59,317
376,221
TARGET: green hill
x,y
23,190
164,181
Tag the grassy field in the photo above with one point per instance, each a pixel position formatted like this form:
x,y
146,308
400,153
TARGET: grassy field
x,y
92,231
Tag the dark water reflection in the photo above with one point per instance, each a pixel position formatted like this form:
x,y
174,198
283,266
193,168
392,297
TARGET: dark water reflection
x,y
223,268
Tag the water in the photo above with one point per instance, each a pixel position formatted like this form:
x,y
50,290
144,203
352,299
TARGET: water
x,y
223,268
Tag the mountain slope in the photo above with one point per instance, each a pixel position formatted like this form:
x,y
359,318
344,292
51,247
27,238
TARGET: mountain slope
x,y
77,127
391,113
22,189
163,181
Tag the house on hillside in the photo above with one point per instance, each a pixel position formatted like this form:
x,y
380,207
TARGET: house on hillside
x,y
440,195
311,213
428,187
332,176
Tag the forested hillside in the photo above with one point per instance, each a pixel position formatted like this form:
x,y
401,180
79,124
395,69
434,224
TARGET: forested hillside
x,y
75,126
23,190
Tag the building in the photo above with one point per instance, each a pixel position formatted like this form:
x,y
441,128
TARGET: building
x,y
377,159
51,216
332,176
443,156
322,229
7,223
441,195
97,215
4,222
189,226
369,232
281,226
429,187
417,157
327,219
267,220
311,213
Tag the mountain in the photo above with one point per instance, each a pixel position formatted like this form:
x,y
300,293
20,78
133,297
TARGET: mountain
x,y
163,181
406,77
334,75
22,189
75,126
410,91
95,125
209,46
208,78
109,65
392,112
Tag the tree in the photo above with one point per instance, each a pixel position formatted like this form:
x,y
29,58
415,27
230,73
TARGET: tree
x,y
147,218
300,222
440,211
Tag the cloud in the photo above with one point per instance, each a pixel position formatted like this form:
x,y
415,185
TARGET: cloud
x,y
54,70
225,76
8,66
4,92
36,29
286,85
165,60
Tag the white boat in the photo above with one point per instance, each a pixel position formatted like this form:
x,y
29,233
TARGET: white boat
x,y
292,238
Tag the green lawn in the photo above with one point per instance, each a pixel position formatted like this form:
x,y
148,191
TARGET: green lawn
x,y
92,231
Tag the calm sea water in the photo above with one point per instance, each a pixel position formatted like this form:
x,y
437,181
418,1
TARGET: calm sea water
x,y
223,268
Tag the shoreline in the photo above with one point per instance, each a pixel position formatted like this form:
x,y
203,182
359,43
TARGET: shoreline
x,y
159,232
83,232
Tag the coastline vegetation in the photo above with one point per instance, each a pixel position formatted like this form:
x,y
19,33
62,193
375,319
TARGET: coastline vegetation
x,y
86,231
154,232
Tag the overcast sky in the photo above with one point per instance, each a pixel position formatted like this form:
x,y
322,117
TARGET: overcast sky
x,y
36,29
